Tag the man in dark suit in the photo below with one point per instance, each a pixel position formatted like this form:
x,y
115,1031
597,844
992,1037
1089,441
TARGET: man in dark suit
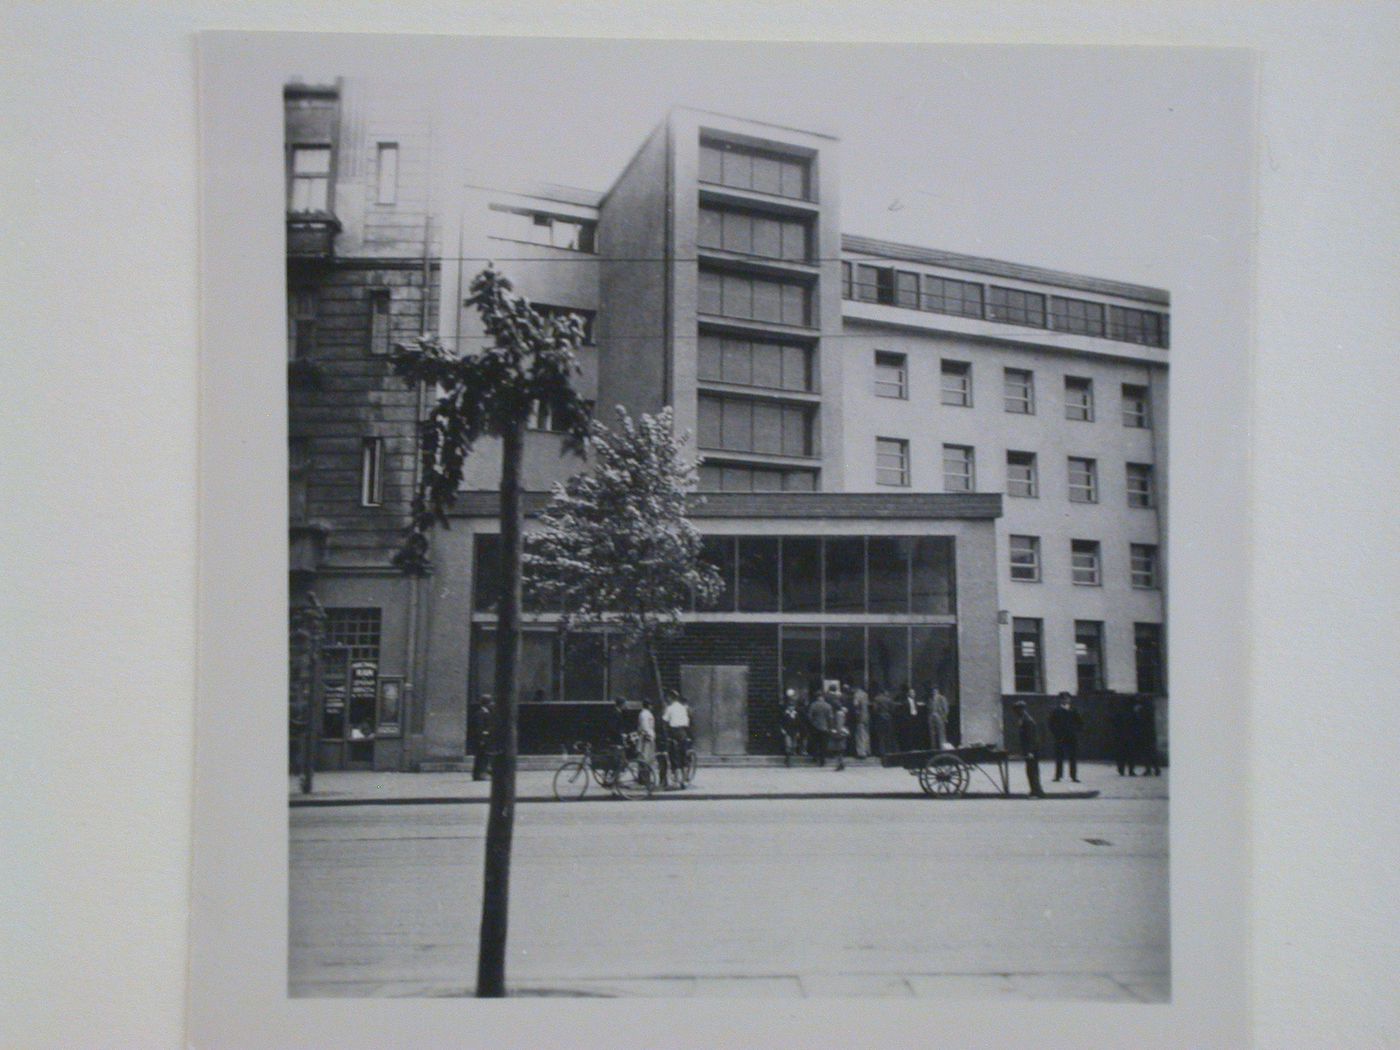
x,y
819,716
1029,734
485,727
1065,723
1145,738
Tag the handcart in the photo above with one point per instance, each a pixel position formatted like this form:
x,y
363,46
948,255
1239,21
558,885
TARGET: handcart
x,y
947,773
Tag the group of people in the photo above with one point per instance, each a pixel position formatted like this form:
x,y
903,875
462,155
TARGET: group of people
x,y
1134,726
663,736
837,721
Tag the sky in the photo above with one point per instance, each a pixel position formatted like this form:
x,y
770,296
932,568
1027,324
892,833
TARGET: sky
x,y
1126,163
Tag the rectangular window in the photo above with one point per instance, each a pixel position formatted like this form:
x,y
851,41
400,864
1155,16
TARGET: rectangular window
x,y
744,168
1022,475
584,317
942,295
380,320
934,585
1088,656
754,298
874,284
1079,399
891,375
1139,485
348,711
958,469
486,572
372,472
844,573
387,173
755,362
543,228
956,379
1025,558
1137,326
1076,316
1027,658
906,289
1083,480
311,179
847,281
758,573
888,562
749,233
301,323
1015,306
1084,563
1144,565
1019,391
1135,411
714,478
1147,645
892,462
721,552
744,425
802,574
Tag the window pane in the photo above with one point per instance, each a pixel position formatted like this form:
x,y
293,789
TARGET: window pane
x,y
802,574
767,238
709,423
758,573
311,160
711,164
795,371
794,304
585,667
738,361
1088,655
845,573
388,172
737,424
767,428
711,298
486,575
802,660
794,179
889,563
1027,657
845,654
934,660
710,234
711,350
767,175
737,169
887,661
767,365
719,552
934,590
796,432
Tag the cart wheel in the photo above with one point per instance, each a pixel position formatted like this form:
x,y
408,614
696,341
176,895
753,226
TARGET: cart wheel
x,y
635,780
570,781
944,776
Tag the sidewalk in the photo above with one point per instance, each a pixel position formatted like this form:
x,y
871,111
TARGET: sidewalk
x,y
860,779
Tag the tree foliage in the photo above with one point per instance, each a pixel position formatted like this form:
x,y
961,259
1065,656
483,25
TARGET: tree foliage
x,y
529,358
614,544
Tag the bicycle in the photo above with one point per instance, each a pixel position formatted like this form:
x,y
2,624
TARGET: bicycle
x,y
615,770
685,769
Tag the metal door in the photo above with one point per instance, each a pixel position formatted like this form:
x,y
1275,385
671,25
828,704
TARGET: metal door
x,y
718,696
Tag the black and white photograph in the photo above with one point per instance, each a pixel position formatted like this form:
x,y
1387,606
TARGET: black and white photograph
x,y
728,524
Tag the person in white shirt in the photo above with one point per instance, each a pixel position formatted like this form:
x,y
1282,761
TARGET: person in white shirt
x,y
677,719
646,731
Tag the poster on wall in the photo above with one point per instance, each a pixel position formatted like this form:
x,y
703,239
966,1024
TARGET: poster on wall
x,y
390,705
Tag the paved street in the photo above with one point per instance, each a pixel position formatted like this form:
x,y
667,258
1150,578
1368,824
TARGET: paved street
x,y
867,893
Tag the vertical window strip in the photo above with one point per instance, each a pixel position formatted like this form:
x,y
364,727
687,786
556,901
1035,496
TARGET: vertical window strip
x,y
372,472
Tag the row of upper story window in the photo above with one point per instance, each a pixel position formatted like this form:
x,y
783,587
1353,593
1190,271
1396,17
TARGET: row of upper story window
x,y
1018,390
892,468
310,168
1085,563
1028,656
943,295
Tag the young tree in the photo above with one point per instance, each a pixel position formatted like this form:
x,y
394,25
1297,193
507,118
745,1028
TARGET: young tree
x,y
615,546
529,359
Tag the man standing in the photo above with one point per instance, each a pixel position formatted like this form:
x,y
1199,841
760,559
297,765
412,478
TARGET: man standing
x,y
938,719
884,723
861,712
1065,723
840,735
819,717
1145,738
485,719
646,733
1030,747
677,719
790,723
1122,717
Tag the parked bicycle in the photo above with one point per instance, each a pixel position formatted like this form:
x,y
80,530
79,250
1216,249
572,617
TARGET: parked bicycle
x,y
613,769
684,764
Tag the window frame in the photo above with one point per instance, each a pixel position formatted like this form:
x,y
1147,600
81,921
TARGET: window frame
x,y
1019,306
1031,482
386,191
892,360
1026,400
1030,562
1140,486
1144,567
1091,472
1141,419
372,472
1077,316
1086,573
303,312
1020,631
325,178
381,320
934,296
962,371
1079,399
967,459
886,446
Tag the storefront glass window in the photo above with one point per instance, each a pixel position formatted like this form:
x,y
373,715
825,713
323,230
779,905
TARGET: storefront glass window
x,y
802,660
933,587
802,574
758,574
719,552
845,574
845,655
888,659
889,558
934,659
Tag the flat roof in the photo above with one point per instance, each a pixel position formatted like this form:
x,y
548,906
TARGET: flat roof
x,y
850,506
878,249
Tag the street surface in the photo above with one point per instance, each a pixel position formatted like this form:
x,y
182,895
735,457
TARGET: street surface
x,y
868,893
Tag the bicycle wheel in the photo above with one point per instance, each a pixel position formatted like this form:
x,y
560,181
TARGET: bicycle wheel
x,y
692,764
605,768
571,781
634,780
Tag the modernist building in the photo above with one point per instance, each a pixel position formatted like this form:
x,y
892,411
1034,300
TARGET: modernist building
x,y
919,468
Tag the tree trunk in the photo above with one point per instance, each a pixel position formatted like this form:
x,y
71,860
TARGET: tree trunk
x,y
500,820
655,670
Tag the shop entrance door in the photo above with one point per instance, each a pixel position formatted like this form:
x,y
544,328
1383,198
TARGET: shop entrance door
x,y
718,695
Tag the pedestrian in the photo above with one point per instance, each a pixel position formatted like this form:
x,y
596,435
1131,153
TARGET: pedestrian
x,y
884,723
907,714
840,732
677,719
1029,734
937,720
485,724
847,703
790,725
646,740
1065,723
1122,724
1145,737
923,725
819,720
861,704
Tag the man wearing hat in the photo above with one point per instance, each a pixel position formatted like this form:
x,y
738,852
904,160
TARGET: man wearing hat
x,y
1065,723
1030,747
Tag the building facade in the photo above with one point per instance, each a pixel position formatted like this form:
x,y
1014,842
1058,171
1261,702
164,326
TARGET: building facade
x,y
920,469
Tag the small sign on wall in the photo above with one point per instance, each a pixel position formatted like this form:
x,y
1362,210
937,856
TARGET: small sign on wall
x,y
390,706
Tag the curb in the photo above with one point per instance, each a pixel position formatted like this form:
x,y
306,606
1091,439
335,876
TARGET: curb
x,y
297,802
